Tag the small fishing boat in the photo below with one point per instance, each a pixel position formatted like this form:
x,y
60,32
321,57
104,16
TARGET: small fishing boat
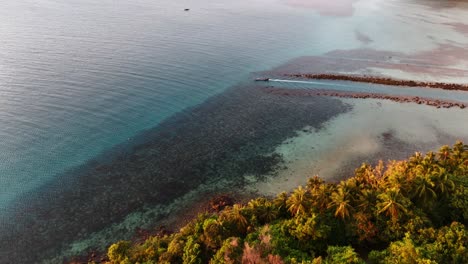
x,y
262,79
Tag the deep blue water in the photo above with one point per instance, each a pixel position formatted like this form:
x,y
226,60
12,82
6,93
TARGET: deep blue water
x,y
80,76
77,77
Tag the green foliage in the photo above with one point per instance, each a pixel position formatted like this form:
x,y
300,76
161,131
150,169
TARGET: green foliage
x,y
264,210
341,201
229,253
192,252
341,255
299,202
118,252
448,244
377,257
307,228
234,219
212,233
412,211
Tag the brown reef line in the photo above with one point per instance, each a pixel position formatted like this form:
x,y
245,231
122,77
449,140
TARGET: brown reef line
x,y
382,80
361,95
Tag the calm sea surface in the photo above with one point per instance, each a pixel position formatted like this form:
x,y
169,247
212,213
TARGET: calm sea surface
x,y
78,77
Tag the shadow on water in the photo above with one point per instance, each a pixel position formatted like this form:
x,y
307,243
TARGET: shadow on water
x,y
228,136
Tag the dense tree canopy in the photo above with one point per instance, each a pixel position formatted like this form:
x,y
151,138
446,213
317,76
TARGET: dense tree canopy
x,y
412,211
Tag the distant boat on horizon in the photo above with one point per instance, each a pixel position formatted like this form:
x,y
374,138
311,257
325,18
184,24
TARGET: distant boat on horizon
x,y
262,79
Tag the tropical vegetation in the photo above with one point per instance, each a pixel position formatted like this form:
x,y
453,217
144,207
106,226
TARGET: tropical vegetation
x,y
411,211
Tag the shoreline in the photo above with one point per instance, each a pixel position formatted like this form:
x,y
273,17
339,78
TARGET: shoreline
x,y
210,203
381,80
371,131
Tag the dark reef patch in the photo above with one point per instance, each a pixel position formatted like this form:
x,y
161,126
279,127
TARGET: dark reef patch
x,y
226,137
438,103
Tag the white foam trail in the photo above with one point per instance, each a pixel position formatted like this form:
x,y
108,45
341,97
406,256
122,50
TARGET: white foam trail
x,y
311,82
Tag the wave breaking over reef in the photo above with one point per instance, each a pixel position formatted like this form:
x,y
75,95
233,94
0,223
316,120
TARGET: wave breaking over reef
x,y
225,138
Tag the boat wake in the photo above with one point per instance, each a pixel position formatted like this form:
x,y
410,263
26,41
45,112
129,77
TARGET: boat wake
x,y
310,82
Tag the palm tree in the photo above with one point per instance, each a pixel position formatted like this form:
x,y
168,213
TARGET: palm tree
x,y
443,154
321,196
263,209
367,176
268,213
280,200
415,159
367,199
256,204
392,203
299,201
280,203
341,201
398,176
442,182
314,183
426,164
459,159
234,215
424,189
458,154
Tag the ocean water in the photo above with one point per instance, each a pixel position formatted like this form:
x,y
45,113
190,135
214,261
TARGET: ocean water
x,y
80,77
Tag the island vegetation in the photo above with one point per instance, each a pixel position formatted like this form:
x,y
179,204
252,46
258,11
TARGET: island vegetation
x,y
411,211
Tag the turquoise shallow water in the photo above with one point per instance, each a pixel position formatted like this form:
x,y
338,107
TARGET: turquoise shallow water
x,y
80,77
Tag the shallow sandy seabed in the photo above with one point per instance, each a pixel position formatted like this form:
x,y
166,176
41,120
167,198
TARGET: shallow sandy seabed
x,y
361,135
